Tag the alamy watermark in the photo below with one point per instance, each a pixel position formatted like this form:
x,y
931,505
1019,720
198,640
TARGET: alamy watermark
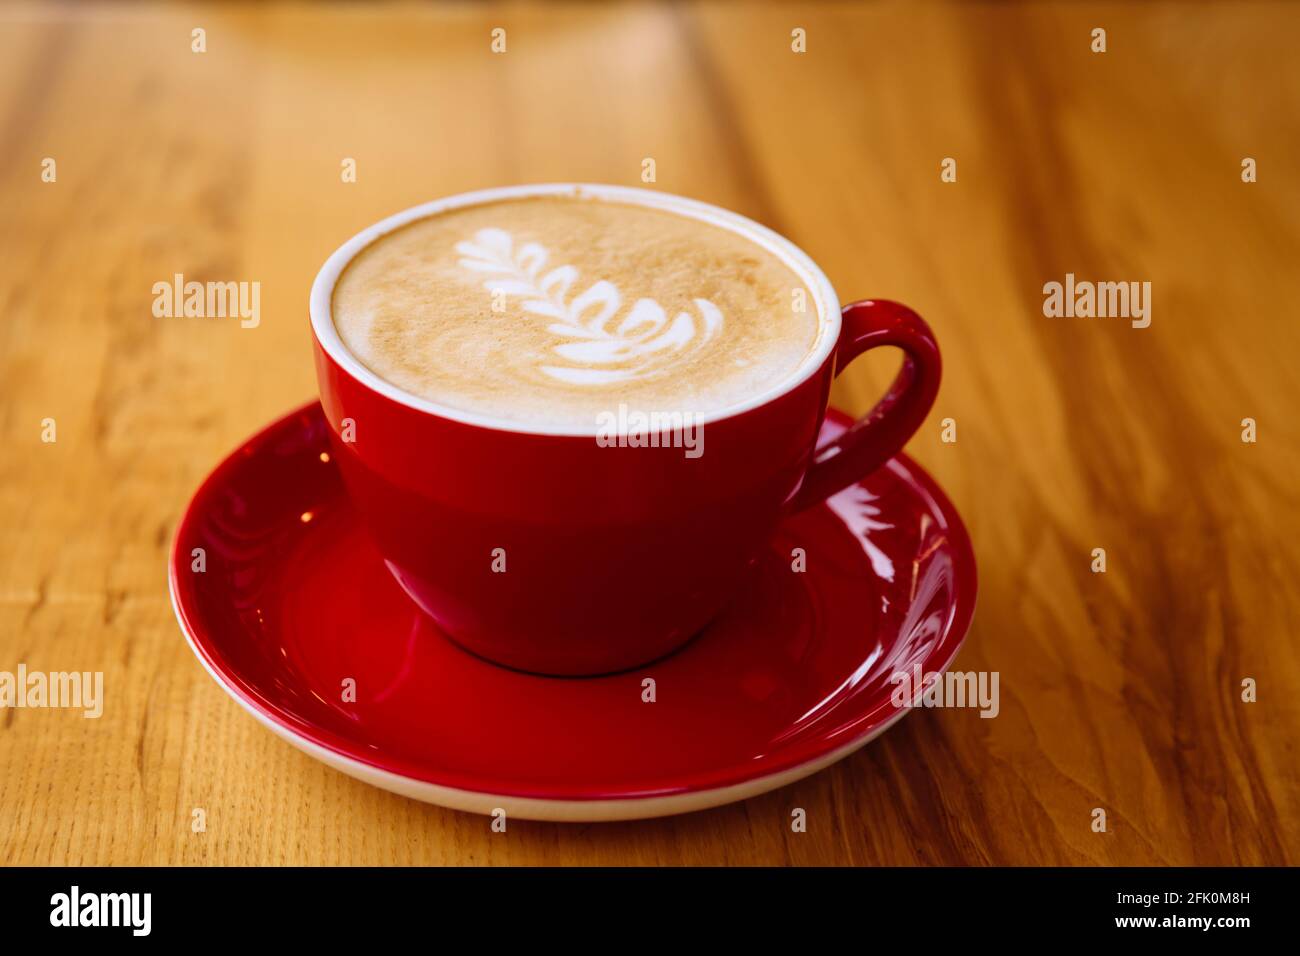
x,y
179,299
53,689
1103,300
951,689
630,428
74,908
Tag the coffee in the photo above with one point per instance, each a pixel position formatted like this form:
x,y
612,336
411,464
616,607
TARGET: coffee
x,y
553,309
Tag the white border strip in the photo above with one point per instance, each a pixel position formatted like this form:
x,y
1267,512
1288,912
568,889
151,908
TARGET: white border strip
x,y
322,292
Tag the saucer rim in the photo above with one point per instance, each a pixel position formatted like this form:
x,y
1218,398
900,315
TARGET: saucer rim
x,y
698,791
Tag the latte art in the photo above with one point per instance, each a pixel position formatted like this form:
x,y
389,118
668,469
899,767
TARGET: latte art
x,y
554,309
639,345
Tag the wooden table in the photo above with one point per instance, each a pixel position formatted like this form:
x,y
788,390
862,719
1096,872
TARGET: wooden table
x,y
1120,690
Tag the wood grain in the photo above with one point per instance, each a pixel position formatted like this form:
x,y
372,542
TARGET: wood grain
x,y
1119,690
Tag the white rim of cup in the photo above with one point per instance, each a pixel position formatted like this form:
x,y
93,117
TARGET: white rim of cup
x,y
322,294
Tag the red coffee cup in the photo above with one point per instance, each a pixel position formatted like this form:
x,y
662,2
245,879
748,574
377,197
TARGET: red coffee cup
x,y
545,550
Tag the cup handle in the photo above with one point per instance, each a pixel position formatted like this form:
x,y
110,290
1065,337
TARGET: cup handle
x,y
882,432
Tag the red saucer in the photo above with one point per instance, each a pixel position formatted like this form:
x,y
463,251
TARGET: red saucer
x,y
294,601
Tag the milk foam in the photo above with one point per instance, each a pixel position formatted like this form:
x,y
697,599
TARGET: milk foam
x,y
640,345
554,309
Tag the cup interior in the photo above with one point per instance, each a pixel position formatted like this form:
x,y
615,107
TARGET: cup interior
x,y
326,333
